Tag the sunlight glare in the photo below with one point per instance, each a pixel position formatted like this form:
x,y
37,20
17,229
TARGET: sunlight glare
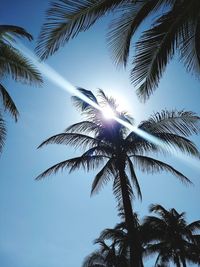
x,y
60,81
108,113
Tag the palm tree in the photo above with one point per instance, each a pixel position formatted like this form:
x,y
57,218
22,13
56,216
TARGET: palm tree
x,y
172,238
108,143
174,30
112,254
14,65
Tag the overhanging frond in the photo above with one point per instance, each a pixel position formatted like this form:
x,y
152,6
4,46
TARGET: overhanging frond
x,y
8,103
66,18
13,63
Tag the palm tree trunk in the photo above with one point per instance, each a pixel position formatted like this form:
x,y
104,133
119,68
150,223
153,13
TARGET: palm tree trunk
x,y
135,255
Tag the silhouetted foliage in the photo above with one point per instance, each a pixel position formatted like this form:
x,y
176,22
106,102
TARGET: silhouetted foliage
x,y
120,151
174,29
13,64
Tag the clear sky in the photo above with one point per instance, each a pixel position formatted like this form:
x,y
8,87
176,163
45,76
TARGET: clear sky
x,y
52,223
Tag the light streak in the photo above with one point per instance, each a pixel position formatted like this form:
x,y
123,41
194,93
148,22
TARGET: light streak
x,y
60,81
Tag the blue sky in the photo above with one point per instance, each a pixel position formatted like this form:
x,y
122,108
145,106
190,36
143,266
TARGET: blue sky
x,y
52,223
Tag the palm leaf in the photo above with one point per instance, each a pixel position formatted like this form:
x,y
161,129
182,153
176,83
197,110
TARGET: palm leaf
x,y
150,165
155,48
124,27
66,18
73,164
14,31
73,139
103,177
13,63
8,102
134,179
179,143
190,47
2,132
175,122
83,126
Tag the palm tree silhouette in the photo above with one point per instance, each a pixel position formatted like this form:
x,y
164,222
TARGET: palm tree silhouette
x,y
172,238
174,30
108,143
13,64
114,254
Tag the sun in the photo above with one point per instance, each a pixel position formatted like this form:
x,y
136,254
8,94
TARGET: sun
x,y
108,113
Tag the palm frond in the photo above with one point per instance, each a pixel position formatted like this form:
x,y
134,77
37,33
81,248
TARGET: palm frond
x,y
67,18
189,51
123,27
117,190
154,50
73,164
13,63
158,209
14,31
73,139
194,226
176,122
134,179
82,105
150,165
178,143
8,103
95,259
84,126
2,132
103,177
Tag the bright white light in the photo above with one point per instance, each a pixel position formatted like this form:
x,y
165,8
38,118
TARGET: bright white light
x,y
108,113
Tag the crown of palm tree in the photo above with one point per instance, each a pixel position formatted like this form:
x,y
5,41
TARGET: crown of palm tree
x,y
171,237
174,30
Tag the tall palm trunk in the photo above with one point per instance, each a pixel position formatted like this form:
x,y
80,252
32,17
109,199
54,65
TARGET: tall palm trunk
x,y
135,257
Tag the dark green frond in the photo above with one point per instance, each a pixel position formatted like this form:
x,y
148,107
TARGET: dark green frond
x,y
124,27
175,122
80,104
73,139
2,132
95,259
67,18
84,126
150,165
103,177
134,179
86,162
178,143
194,226
14,31
13,63
154,50
117,191
158,209
8,103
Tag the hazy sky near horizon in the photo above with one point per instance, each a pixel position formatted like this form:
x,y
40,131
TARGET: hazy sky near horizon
x,y
52,223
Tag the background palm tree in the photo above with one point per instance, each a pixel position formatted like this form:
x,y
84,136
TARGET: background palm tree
x,y
174,30
14,65
108,143
172,238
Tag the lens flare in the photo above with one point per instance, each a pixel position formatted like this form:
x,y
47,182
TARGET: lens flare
x,y
108,113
